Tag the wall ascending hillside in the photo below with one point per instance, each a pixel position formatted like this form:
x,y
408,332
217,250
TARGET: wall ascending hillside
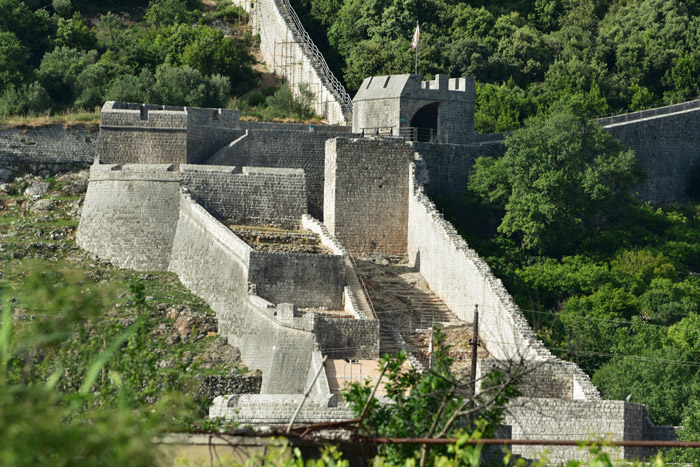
x,y
286,54
212,262
130,213
668,148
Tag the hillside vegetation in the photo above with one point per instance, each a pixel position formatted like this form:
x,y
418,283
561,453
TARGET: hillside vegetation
x,y
164,51
616,55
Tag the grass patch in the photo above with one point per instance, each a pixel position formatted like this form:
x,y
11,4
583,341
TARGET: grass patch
x,y
66,119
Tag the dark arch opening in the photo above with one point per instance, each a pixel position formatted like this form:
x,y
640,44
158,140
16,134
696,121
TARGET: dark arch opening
x,y
425,121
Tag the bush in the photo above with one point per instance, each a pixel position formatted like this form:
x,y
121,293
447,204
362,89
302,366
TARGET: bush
x,y
25,99
59,73
283,103
132,88
187,87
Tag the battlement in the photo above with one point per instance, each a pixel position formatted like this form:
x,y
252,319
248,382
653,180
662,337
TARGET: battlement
x,y
442,82
439,110
169,116
147,133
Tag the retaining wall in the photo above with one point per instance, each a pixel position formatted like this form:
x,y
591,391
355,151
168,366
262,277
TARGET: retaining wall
x,y
307,280
366,192
275,410
56,145
249,195
283,149
130,214
285,52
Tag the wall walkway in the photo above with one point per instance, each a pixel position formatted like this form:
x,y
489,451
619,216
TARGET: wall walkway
x,y
289,52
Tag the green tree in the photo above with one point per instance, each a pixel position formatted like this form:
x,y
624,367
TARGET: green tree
x,y
73,33
59,73
187,86
170,12
13,57
432,404
24,99
561,175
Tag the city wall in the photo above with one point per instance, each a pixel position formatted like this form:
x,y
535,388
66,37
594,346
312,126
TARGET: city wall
x,y
283,148
366,193
147,134
288,51
249,195
667,145
460,277
546,418
130,214
53,145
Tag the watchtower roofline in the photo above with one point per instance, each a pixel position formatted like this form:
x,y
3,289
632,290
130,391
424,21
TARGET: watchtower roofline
x,y
439,110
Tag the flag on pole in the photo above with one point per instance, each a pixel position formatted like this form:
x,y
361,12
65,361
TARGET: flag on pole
x,y
416,35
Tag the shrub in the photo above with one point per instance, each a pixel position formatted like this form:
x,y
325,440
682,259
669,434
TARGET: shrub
x,y
25,99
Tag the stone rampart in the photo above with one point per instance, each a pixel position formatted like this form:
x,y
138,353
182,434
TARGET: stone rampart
x,y
282,149
276,409
543,418
130,214
56,145
460,277
668,147
144,133
248,195
448,165
307,280
366,193
354,298
289,52
212,262
334,130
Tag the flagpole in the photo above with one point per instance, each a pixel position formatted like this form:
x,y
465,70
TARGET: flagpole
x,y
416,36
416,67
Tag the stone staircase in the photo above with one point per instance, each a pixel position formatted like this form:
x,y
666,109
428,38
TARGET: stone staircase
x,y
403,302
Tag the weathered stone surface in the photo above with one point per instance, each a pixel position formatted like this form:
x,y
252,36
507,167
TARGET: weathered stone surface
x,y
37,188
42,205
366,193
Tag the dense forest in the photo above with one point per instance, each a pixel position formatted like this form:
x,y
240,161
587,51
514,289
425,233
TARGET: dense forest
x,y
52,58
614,55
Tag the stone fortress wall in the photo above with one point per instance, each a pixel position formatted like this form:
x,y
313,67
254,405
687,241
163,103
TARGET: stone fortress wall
x,y
280,148
163,205
289,52
167,228
55,146
666,143
147,133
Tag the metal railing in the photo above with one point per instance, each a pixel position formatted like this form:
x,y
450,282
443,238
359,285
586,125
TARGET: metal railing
x,y
409,133
313,50
632,116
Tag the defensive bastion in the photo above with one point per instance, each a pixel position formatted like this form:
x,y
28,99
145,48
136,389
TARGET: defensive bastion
x,y
162,203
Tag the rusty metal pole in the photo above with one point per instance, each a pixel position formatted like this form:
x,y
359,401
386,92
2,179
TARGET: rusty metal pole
x,y
474,344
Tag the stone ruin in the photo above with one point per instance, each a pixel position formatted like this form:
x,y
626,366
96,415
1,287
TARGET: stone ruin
x,y
169,183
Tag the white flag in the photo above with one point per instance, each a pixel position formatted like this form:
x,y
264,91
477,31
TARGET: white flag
x,y
416,35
